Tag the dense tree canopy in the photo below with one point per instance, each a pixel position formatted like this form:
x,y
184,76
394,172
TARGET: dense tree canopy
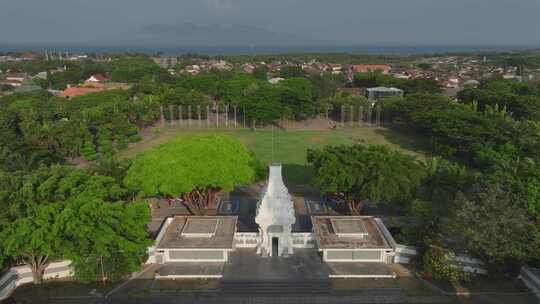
x,y
34,239
365,173
510,236
60,212
291,71
326,85
105,240
503,153
297,97
207,83
134,68
521,100
417,85
38,128
454,129
171,97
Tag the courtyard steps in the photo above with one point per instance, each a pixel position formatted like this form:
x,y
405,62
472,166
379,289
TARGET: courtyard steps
x,y
276,287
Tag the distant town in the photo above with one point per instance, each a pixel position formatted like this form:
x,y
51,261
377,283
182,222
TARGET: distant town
x,y
452,72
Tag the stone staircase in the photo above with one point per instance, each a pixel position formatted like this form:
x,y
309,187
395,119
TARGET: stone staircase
x,y
276,287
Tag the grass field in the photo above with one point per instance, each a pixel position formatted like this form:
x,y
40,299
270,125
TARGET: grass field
x,y
290,147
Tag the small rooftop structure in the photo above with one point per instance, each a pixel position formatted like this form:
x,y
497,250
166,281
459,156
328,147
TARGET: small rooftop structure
x,y
199,232
200,227
349,227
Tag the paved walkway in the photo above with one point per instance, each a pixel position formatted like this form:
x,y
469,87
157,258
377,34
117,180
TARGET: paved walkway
x,y
304,299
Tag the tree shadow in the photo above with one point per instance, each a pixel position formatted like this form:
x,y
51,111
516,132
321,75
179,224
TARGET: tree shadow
x,y
406,139
296,174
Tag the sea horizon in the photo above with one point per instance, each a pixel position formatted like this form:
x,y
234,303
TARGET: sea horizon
x,y
396,50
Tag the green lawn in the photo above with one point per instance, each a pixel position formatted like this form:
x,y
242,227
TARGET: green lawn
x,y
289,146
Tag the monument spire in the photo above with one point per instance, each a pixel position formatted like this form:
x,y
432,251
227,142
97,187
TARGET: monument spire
x,y
275,217
272,143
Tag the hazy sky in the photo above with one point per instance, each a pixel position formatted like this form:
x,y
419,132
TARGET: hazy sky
x,y
358,22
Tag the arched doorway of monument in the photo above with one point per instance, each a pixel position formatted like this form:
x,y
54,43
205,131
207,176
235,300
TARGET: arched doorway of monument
x,y
275,246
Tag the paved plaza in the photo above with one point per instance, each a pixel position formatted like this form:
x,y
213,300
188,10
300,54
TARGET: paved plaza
x,y
304,264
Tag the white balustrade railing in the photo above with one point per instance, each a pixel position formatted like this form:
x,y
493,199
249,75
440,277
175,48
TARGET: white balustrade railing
x,y
250,240
303,240
246,239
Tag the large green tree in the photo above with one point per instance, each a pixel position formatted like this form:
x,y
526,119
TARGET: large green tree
x,y
258,100
296,94
58,212
522,100
492,223
433,201
172,97
326,85
34,239
291,71
365,173
105,240
195,168
417,85
132,69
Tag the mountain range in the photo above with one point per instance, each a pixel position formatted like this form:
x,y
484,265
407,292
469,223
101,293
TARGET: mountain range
x,y
189,34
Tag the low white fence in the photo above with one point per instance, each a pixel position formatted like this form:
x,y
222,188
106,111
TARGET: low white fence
x,y
470,264
250,240
531,278
405,254
19,275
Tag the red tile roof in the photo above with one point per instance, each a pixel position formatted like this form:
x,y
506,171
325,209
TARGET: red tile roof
x,y
364,68
78,91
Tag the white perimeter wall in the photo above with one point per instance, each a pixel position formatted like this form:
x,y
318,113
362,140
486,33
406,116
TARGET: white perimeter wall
x,y
19,275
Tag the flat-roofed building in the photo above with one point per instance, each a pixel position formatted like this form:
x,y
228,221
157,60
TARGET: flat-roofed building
x,y
380,93
196,239
353,239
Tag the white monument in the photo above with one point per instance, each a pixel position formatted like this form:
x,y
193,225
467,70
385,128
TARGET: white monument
x,y
275,217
